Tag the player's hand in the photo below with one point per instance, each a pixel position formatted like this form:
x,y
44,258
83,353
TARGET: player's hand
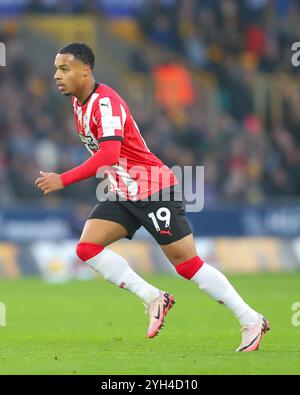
x,y
49,182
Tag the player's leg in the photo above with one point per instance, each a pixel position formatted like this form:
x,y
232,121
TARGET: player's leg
x,y
182,254
99,233
167,223
103,232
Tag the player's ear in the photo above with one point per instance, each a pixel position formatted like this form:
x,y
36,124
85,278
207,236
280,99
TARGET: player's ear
x,y
86,70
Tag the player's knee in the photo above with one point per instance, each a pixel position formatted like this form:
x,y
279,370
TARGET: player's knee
x,y
87,251
189,268
178,257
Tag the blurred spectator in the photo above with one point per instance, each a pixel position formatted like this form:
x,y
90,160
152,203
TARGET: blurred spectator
x,y
173,86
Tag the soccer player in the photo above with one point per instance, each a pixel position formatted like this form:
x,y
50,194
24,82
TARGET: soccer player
x,y
109,132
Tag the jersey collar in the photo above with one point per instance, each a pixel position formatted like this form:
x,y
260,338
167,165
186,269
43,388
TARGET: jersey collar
x,y
88,98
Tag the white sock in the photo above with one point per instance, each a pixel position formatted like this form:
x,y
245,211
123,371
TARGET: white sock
x,y
115,269
216,285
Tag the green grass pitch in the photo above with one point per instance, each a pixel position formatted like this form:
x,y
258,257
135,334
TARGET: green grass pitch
x,y
95,328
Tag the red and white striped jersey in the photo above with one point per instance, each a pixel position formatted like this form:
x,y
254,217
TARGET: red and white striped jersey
x,y
106,116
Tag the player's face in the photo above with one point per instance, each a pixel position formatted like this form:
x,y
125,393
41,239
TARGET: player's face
x,y
71,74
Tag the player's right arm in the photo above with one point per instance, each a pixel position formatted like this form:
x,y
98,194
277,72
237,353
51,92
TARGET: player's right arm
x,y
110,117
107,155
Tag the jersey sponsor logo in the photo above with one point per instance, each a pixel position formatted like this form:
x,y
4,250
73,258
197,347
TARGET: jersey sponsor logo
x,y
85,121
89,142
92,144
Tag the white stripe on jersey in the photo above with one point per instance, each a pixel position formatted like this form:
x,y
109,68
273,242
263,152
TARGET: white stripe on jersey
x,y
124,116
135,124
79,115
109,122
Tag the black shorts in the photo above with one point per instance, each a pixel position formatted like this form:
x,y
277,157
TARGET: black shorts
x,y
164,220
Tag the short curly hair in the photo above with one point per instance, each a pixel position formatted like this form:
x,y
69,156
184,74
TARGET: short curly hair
x,y
81,51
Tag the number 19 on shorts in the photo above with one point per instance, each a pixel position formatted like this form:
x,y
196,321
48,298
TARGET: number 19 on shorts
x,y
162,214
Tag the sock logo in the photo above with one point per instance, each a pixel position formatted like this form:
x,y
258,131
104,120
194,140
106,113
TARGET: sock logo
x,y
122,285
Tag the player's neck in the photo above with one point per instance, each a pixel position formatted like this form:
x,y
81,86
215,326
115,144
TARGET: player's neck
x,y
86,93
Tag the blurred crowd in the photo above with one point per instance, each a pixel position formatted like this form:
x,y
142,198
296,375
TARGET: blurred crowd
x,y
37,131
247,157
